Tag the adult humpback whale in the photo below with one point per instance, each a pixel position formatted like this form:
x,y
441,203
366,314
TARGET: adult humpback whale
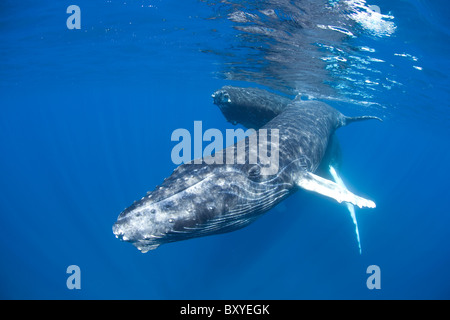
x,y
206,199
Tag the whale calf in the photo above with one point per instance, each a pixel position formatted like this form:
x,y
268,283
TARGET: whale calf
x,y
206,199
251,107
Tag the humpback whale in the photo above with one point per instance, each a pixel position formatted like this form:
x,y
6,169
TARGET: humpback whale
x,y
201,199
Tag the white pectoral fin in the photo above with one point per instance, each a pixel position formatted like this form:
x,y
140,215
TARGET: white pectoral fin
x,y
310,181
350,206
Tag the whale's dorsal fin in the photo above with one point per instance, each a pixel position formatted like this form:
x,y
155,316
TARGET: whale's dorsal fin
x,y
310,181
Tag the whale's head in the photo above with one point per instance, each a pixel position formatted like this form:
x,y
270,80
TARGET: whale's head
x,y
178,209
154,219
139,225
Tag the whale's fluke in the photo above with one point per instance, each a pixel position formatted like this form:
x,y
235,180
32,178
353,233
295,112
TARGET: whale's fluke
x,y
348,120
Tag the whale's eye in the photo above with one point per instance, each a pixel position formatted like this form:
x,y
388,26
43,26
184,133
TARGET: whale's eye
x,y
254,171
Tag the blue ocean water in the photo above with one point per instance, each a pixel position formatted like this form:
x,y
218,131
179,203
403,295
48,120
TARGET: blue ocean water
x,y
86,118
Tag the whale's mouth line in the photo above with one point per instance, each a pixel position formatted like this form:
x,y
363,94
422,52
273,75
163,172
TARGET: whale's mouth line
x,y
208,176
137,205
181,190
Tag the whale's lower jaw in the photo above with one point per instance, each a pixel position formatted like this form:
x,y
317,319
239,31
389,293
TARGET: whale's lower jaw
x,y
217,226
